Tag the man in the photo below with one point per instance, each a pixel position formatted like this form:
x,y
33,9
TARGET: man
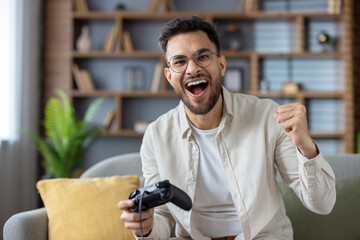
x,y
222,148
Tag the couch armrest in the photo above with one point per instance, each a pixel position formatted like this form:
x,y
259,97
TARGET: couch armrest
x,y
29,225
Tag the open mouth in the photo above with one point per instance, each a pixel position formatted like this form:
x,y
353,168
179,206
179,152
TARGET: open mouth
x,y
197,87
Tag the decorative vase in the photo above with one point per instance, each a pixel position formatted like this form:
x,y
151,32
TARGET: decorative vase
x,y
84,43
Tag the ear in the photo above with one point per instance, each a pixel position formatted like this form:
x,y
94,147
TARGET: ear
x,y
222,65
167,73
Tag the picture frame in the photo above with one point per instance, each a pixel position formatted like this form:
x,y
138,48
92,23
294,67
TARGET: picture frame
x,y
233,79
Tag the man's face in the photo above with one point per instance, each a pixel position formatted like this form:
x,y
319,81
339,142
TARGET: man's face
x,y
198,87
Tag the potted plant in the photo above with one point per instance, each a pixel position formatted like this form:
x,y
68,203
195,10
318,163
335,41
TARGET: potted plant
x,y
66,137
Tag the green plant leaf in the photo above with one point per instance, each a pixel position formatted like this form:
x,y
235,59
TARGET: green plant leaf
x,y
92,109
66,138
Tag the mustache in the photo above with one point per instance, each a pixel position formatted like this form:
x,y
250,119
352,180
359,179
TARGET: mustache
x,y
196,76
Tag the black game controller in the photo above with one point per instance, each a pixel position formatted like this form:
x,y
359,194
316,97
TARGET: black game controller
x,y
159,194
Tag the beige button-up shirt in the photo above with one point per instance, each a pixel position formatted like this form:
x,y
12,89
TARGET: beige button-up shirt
x,y
251,145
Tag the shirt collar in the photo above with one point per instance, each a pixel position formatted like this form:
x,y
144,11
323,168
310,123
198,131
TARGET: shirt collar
x,y
227,114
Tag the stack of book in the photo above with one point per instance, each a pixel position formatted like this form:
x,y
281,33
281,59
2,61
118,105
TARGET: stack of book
x,y
83,79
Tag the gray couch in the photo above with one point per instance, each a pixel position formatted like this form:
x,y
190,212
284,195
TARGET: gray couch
x,y
32,225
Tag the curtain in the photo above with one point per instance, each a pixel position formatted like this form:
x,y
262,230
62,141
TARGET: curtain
x,y
18,156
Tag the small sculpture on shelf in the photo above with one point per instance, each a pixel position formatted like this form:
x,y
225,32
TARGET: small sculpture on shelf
x,y
84,43
291,88
324,40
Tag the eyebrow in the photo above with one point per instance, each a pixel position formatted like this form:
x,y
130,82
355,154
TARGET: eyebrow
x,y
197,52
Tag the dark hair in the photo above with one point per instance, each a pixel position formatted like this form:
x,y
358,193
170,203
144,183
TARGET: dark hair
x,y
184,25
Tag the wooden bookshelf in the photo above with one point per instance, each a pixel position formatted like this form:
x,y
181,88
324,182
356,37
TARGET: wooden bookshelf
x,y
61,23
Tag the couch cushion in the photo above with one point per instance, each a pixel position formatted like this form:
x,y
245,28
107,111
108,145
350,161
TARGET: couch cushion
x,y
86,208
341,223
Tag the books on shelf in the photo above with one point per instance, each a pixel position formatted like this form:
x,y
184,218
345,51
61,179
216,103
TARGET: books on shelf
x,y
334,6
157,76
109,118
83,79
81,6
110,40
249,5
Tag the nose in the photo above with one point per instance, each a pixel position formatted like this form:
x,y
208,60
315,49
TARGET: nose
x,y
192,67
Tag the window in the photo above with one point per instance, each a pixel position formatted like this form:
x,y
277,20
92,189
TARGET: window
x,y
7,69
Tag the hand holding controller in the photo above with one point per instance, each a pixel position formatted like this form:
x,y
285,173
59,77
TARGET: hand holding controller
x,y
159,194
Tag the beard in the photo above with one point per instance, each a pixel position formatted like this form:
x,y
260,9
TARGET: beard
x,y
203,106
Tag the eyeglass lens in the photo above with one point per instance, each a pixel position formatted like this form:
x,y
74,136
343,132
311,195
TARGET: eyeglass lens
x,y
202,58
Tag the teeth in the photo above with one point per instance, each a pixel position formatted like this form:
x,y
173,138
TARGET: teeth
x,y
196,83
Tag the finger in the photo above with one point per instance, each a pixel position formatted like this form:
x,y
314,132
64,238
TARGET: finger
x,y
275,116
128,216
287,125
288,107
135,226
149,213
282,117
125,205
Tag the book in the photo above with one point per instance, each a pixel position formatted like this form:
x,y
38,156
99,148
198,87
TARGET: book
x,y
337,7
83,79
77,76
87,81
171,5
157,76
331,6
109,118
152,6
334,6
241,6
110,40
249,5
80,6
128,46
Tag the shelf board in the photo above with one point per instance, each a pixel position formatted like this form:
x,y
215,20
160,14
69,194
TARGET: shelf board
x,y
227,53
304,94
125,94
169,93
122,133
102,54
268,14
94,15
301,55
222,15
324,135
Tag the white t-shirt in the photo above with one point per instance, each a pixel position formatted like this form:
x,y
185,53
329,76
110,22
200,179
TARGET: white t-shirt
x,y
213,205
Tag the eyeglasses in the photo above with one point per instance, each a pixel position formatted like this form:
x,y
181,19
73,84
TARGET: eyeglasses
x,y
202,58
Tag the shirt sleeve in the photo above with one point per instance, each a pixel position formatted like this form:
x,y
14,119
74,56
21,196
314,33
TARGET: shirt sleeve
x,y
313,180
163,220
317,188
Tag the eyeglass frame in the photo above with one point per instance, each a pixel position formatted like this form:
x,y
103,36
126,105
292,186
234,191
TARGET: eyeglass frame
x,y
193,58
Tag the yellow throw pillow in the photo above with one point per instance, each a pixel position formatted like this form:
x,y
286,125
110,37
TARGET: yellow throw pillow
x,y
86,208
